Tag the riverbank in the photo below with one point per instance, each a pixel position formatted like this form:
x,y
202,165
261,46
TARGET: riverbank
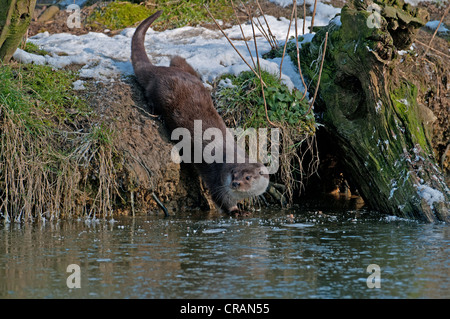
x,y
138,179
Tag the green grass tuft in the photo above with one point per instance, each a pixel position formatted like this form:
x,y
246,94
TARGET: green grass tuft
x,y
40,95
244,102
119,15
33,48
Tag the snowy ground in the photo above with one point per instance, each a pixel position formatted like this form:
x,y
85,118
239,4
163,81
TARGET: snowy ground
x,y
106,58
208,51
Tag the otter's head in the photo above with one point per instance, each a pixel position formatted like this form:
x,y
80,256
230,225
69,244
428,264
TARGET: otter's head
x,y
247,180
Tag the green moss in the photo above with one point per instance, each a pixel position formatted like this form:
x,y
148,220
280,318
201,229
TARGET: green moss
x,y
404,100
14,25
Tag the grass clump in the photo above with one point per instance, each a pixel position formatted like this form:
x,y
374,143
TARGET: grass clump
x,y
118,15
49,148
39,97
241,104
190,12
178,13
33,48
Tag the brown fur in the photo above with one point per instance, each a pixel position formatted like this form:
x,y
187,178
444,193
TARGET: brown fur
x,y
180,96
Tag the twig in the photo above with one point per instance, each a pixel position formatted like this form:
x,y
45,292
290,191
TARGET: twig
x,y
432,49
146,112
313,16
243,35
264,33
287,37
320,74
166,212
229,40
260,74
435,31
298,55
267,35
268,26
304,16
261,29
132,203
444,155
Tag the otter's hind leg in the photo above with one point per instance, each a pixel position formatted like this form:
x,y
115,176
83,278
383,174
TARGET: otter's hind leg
x,y
180,63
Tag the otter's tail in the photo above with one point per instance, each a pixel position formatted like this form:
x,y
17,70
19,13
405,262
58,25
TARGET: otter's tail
x,y
139,58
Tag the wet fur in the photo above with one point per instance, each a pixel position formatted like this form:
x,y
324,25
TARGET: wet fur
x,y
179,95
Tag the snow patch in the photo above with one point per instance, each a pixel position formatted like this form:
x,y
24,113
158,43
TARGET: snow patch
x,y
429,194
25,57
226,83
378,106
78,85
105,58
432,25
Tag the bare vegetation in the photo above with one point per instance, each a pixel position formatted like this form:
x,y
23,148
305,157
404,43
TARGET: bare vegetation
x,y
54,162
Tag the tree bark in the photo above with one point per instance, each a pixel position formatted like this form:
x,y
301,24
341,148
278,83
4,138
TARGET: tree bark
x,y
15,17
371,110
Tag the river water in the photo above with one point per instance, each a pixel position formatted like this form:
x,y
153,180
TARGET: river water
x,y
271,254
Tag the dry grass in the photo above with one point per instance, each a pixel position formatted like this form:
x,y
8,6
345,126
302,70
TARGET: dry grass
x,y
50,167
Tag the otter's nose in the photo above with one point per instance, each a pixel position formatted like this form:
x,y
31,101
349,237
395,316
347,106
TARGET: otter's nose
x,y
235,184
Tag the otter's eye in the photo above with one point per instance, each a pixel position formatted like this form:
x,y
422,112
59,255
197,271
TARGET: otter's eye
x,y
247,177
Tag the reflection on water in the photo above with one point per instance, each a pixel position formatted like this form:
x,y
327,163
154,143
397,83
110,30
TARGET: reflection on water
x,y
268,255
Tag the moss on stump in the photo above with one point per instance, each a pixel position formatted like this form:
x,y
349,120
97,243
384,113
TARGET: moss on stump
x,y
371,110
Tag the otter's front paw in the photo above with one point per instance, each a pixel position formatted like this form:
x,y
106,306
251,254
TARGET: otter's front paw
x,y
236,212
233,210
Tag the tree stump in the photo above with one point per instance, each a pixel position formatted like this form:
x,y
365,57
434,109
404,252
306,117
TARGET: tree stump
x,y
15,17
371,110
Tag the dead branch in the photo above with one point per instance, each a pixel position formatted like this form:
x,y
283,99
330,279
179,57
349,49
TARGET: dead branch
x,y
260,27
264,33
304,16
268,26
231,42
298,55
260,74
287,37
320,74
432,49
435,31
313,16
242,32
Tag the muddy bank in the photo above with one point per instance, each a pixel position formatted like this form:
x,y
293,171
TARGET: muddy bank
x,y
146,176
146,173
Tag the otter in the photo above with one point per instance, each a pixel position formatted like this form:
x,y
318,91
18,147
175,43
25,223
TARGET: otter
x,y
178,94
